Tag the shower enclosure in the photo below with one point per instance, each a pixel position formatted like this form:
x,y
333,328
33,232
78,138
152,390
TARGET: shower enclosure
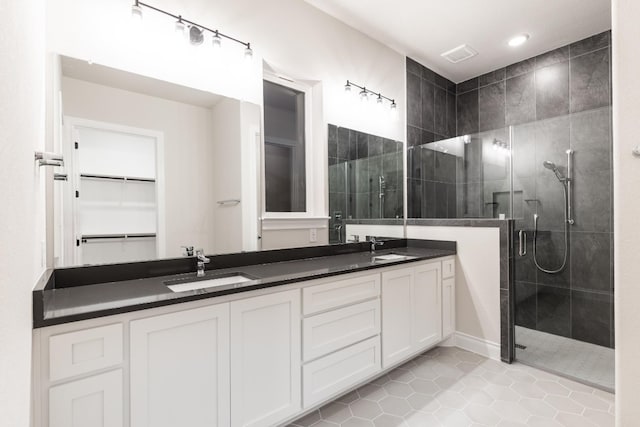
x,y
553,178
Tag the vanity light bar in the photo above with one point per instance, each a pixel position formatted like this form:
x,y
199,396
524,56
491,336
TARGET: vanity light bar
x,y
136,12
364,94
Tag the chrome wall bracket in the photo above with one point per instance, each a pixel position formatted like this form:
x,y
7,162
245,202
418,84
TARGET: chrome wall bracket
x,y
49,159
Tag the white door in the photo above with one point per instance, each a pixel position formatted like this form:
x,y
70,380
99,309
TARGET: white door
x,y
427,305
180,369
265,359
448,307
96,401
397,318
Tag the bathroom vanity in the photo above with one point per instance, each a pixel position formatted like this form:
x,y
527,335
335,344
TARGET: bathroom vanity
x,y
303,327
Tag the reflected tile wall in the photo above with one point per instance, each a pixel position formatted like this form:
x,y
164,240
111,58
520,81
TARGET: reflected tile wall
x,y
356,162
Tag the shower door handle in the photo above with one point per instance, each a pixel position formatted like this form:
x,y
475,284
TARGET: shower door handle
x,y
522,237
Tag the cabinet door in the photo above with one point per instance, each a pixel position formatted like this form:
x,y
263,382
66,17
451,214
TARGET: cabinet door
x,y
448,307
96,401
397,318
265,359
427,306
180,369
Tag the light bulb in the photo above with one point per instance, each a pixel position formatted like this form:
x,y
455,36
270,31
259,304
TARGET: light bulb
x,y
364,96
518,40
136,13
248,53
393,106
347,87
216,41
180,29
379,100
196,36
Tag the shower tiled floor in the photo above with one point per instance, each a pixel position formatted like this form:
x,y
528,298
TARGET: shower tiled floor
x,y
450,387
576,359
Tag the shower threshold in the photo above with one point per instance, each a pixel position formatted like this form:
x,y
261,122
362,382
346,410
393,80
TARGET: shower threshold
x,y
580,361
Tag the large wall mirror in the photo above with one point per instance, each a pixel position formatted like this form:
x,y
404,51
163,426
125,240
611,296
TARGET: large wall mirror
x,y
152,167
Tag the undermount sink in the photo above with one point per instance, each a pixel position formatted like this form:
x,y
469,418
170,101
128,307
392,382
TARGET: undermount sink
x,y
391,257
183,285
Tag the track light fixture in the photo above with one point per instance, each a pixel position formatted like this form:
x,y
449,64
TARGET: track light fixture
x,y
365,93
196,31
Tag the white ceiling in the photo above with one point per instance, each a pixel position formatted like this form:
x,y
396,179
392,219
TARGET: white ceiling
x,y
423,29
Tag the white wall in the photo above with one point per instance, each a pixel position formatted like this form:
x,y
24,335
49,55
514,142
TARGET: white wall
x,y
477,277
626,175
189,150
21,188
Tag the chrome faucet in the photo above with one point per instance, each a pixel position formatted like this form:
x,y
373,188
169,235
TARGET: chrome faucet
x,y
202,260
374,243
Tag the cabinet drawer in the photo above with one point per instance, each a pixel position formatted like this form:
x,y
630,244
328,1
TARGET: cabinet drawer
x,y
339,293
337,372
448,268
340,328
80,352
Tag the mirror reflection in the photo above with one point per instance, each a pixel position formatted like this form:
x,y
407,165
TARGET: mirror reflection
x,y
154,170
365,179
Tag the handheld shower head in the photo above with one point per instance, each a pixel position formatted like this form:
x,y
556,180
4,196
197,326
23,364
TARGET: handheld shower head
x,y
552,167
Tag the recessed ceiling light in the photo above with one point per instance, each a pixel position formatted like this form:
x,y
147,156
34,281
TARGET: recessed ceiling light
x,y
518,40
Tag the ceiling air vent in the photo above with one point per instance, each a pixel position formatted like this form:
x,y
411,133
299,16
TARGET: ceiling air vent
x,y
459,54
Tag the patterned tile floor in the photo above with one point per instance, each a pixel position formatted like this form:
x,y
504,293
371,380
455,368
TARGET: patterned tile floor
x,y
581,360
450,387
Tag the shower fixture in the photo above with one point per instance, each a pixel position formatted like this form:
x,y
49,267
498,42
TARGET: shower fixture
x,y
566,182
382,186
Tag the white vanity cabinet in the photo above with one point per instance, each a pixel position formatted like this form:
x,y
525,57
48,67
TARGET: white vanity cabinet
x,y
255,359
80,377
179,369
411,311
265,359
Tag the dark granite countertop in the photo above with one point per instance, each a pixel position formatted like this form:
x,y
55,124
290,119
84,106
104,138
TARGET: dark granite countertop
x,y
71,296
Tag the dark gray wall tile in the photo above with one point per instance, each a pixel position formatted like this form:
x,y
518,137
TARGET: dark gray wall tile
x,y
414,136
414,100
590,44
440,112
522,67
552,91
451,115
590,317
332,141
590,261
520,99
467,85
552,57
590,85
441,199
375,145
525,297
491,101
428,106
467,112
362,145
414,67
553,309
445,168
492,77
344,142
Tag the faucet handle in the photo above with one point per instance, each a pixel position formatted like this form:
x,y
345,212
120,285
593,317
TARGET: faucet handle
x,y
188,250
201,257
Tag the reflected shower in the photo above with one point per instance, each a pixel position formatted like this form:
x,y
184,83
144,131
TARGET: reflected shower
x,y
565,181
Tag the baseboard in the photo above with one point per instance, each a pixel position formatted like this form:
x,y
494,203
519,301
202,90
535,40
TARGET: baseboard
x,y
474,344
